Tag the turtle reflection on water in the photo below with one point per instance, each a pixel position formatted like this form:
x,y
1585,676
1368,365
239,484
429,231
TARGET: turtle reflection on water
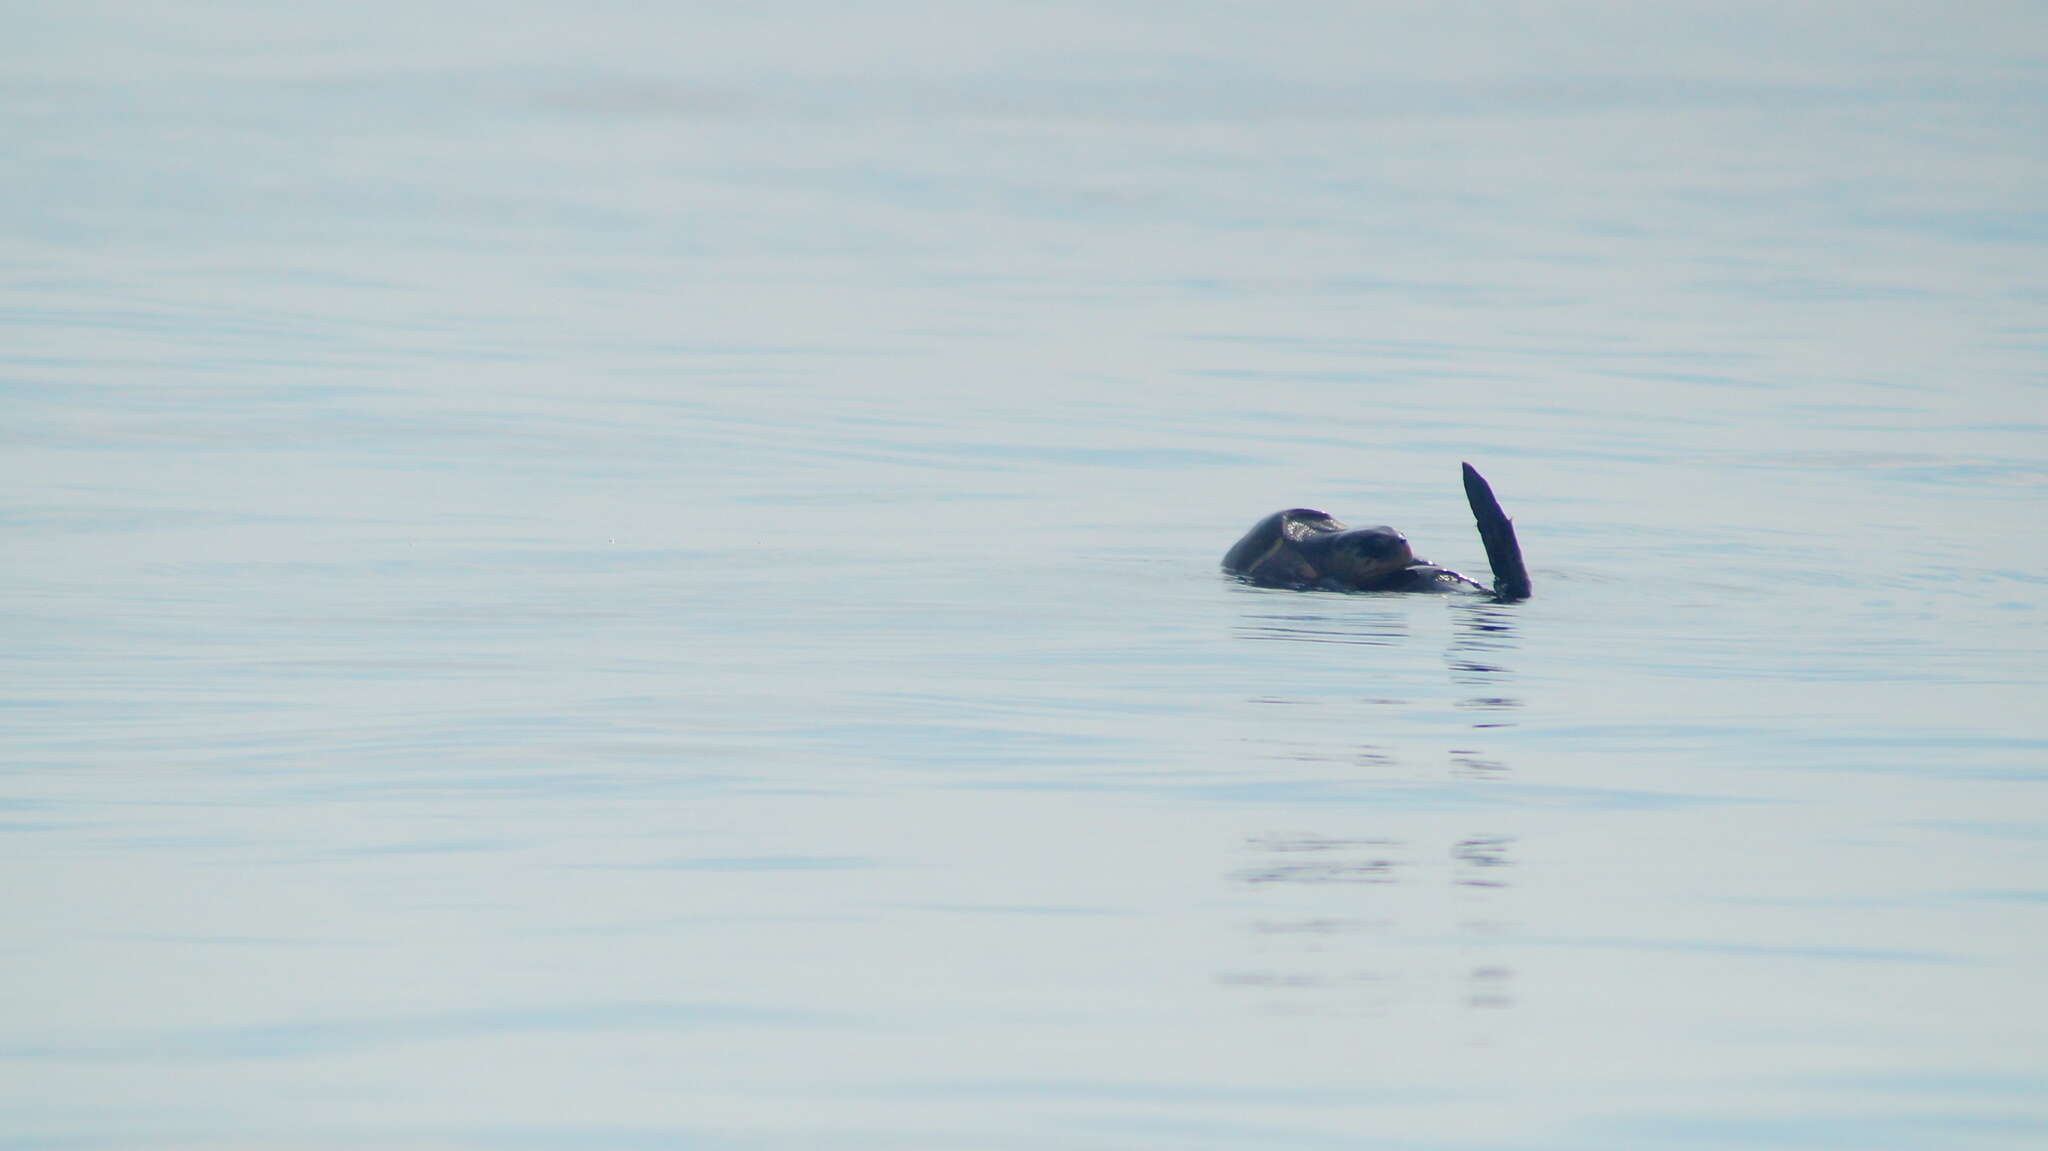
x,y
1304,548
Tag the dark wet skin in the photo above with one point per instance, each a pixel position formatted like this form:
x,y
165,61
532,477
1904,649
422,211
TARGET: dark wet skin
x,y
1305,548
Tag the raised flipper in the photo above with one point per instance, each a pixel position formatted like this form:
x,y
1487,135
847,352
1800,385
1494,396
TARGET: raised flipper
x,y
1497,532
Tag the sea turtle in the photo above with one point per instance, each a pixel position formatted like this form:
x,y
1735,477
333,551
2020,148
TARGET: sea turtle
x,y
1305,548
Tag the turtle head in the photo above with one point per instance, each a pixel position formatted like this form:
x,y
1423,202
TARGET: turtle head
x,y
1362,557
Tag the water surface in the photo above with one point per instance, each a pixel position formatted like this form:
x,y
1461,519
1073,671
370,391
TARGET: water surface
x,y
627,579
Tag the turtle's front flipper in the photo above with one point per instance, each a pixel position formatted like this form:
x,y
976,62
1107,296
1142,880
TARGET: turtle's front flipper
x,y
1497,532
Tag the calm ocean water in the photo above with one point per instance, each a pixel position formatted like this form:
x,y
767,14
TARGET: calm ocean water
x,y
624,577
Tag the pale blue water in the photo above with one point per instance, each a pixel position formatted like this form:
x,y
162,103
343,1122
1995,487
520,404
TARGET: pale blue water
x,y
613,577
